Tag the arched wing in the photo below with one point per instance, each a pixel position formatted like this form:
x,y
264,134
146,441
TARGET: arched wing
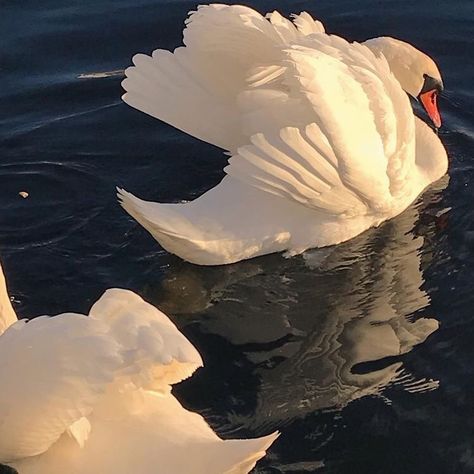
x,y
195,88
296,164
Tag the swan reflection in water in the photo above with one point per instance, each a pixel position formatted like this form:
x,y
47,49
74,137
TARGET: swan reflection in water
x,y
322,330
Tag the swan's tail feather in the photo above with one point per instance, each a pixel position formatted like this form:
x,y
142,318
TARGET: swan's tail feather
x,y
243,454
134,206
168,224
157,218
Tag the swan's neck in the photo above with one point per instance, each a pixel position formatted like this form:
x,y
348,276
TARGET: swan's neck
x,y
7,314
408,64
431,158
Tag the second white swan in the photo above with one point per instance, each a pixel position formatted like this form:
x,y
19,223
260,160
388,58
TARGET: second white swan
x,y
93,395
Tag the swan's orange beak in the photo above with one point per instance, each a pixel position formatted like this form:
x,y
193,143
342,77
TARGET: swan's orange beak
x,y
428,100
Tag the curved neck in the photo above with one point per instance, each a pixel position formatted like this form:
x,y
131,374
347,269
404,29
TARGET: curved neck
x,y
408,64
7,314
431,158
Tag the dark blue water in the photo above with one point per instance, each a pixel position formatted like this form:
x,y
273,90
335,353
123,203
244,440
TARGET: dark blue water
x,y
319,347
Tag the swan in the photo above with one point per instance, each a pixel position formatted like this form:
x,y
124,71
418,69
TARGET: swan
x,y
93,395
322,138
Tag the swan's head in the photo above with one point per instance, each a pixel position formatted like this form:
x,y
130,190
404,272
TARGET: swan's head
x,y
416,72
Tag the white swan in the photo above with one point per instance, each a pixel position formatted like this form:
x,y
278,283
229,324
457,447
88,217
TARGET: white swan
x,y
323,140
93,395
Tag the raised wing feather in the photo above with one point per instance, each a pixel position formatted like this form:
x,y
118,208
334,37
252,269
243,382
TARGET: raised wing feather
x,y
52,370
298,165
168,87
343,114
195,88
306,25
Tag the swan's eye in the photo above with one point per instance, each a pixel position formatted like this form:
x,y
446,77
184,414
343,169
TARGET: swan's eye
x,y
431,85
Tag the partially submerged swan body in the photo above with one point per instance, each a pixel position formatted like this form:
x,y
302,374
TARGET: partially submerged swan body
x,y
93,395
323,140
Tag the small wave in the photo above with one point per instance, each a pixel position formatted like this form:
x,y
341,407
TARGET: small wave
x,y
102,75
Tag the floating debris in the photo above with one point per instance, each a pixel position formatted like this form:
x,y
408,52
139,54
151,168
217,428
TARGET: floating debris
x,y
23,194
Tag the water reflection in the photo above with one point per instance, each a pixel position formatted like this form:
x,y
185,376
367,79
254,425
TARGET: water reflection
x,y
322,330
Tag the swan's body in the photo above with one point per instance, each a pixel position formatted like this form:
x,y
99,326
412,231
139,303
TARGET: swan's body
x,y
93,395
323,140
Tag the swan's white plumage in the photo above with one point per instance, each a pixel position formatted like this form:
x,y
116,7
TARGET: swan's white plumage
x,y
93,394
7,314
155,354
308,119
282,164
50,378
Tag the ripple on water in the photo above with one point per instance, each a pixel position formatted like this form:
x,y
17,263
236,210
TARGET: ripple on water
x,y
60,201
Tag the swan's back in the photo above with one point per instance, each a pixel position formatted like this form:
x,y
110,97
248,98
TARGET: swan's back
x,y
50,378
55,371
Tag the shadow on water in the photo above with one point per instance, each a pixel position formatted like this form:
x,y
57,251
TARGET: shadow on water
x,y
7,469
